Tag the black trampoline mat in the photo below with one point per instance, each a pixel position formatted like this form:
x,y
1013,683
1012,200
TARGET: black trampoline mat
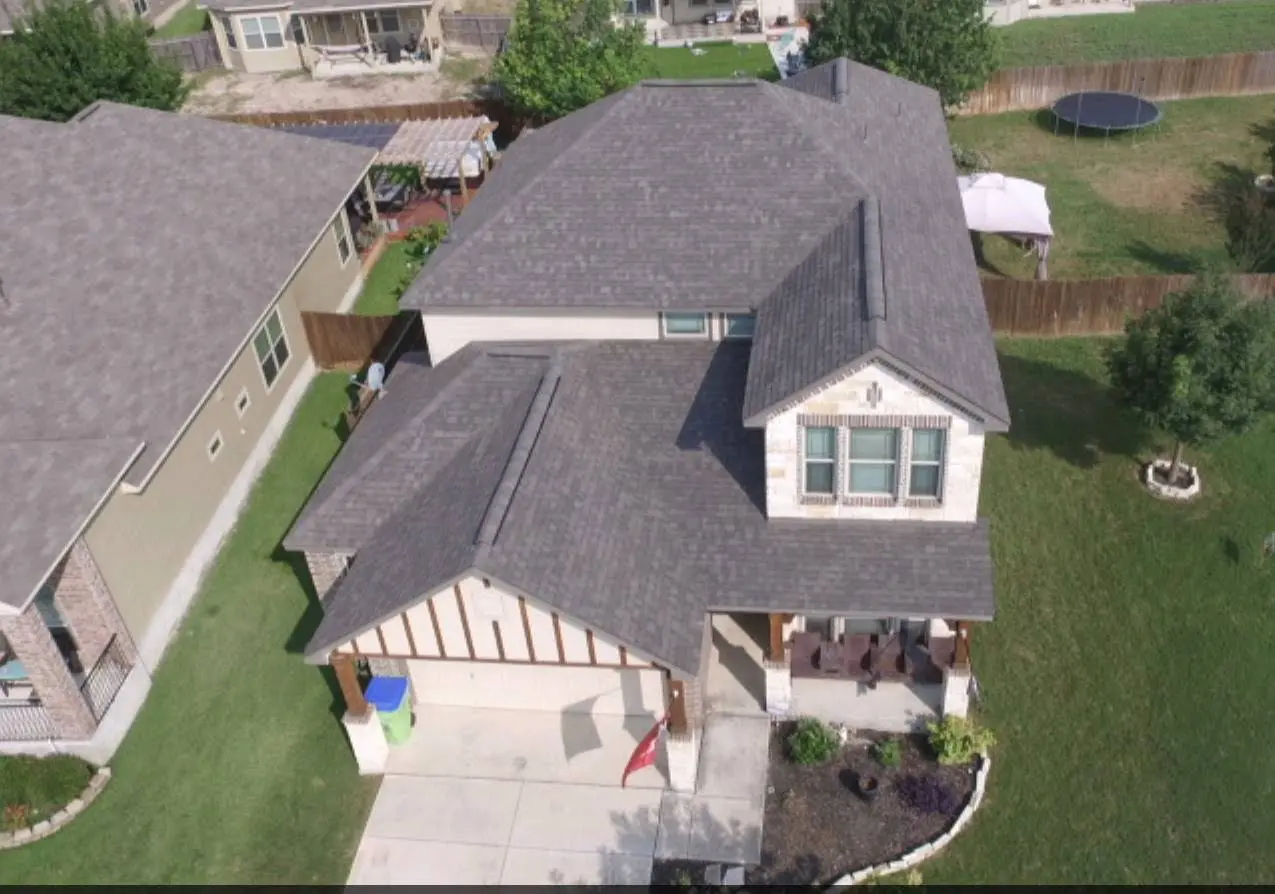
x,y
1104,110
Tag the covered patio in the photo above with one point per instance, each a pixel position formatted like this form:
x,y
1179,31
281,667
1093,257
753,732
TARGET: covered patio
x,y
384,37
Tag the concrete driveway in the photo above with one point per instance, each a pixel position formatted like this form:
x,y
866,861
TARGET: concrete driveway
x,y
513,797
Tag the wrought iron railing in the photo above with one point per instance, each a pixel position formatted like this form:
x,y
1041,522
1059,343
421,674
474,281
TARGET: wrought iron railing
x,y
103,681
24,722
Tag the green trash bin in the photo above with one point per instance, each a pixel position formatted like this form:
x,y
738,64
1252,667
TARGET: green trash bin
x,y
390,698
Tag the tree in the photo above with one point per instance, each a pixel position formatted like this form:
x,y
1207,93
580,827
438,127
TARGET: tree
x,y
66,54
944,44
563,55
1199,366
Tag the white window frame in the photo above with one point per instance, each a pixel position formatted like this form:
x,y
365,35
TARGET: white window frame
x,y
214,446
243,401
940,463
704,331
228,26
141,7
832,461
726,318
341,233
262,33
851,462
273,349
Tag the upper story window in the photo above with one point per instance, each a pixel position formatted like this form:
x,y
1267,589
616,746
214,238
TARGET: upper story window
x,y
821,460
261,32
271,346
927,462
874,460
738,325
685,324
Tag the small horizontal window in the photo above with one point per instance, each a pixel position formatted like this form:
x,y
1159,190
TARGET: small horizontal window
x,y
242,403
738,325
214,446
685,324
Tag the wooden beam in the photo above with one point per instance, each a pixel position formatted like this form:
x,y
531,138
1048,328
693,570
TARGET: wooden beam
x,y
348,678
678,721
526,629
961,657
407,628
464,622
557,635
775,651
438,629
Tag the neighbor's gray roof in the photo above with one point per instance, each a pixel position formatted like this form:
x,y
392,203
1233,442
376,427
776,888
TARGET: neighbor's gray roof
x,y
615,482
137,250
309,6
713,195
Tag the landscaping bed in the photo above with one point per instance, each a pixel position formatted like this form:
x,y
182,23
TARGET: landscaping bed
x,y
32,789
818,828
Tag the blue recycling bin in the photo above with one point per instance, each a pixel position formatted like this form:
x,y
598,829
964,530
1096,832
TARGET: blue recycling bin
x,y
390,698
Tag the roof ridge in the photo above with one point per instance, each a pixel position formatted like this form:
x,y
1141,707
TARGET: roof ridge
x,y
787,102
874,293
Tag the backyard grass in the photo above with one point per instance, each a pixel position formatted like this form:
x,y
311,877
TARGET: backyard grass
x,y
1138,204
40,787
1156,30
719,60
237,770
1128,672
378,296
188,20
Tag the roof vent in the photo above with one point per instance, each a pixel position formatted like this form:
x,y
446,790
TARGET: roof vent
x,y
840,81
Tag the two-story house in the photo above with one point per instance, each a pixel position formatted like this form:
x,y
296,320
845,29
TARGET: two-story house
x,y
703,430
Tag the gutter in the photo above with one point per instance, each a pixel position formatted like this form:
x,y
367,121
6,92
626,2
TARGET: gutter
x,y
127,488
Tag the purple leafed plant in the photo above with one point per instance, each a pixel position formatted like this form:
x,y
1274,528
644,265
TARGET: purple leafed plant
x,y
925,794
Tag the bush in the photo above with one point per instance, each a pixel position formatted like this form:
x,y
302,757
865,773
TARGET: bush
x,y
969,160
925,794
812,742
420,242
889,753
956,740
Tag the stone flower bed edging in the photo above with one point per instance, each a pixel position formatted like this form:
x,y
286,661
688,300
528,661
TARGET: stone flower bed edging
x,y
45,828
1170,491
929,849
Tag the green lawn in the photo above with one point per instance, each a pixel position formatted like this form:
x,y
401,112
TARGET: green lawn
x,y
378,295
1155,30
1136,205
188,20
40,787
1129,669
237,770
719,60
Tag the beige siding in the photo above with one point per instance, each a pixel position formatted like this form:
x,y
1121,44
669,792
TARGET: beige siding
x,y
446,333
285,58
962,459
141,541
573,690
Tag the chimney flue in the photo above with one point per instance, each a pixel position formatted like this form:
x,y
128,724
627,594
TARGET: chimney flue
x,y
840,81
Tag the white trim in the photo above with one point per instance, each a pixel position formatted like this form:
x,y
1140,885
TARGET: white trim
x,y
153,642
913,462
283,337
240,18
705,319
244,399
244,342
214,446
344,221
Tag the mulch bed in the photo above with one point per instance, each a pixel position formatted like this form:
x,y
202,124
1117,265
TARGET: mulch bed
x,y
818,828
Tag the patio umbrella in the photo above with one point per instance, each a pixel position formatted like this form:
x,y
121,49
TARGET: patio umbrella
x,y
1010,206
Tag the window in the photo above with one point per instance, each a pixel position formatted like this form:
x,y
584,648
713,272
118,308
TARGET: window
x,y
230,31
214,446
738,325
271,347
685,324
261,32
383,22
640,7
141,7
333,23
242,403
298,31
927,462
341,229
873,460
821,460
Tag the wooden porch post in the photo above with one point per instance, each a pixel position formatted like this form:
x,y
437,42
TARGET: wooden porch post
x,y
961,657
678,720
370,195
348,678
775,651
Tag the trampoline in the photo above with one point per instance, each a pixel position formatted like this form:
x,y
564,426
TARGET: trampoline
x,y
1106,111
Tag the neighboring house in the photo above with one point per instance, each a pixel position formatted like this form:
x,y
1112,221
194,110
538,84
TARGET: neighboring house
x,y
152,351
148,10
657,14
676,391
1007,12
327,38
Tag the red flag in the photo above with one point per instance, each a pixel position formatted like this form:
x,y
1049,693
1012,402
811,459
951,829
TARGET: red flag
x,y
644,754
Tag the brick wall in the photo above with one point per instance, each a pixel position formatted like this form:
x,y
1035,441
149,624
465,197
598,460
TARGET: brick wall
x,y
325,570
86,605
31,641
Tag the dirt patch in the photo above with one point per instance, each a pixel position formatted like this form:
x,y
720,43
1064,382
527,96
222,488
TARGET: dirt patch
x,y
1164,188
819,828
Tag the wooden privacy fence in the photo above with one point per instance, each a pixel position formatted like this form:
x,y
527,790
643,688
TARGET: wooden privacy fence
x,y
1090,306
350,341
1234,74
415,111
195,52
486,33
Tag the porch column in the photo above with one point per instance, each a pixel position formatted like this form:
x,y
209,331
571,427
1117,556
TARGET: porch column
x,y
348,678
777,669
81,597
682,739
52,680
958,678
367,35
370,194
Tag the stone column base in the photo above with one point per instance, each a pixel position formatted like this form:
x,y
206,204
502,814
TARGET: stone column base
x,y
778,688
682,751
956,692
367,739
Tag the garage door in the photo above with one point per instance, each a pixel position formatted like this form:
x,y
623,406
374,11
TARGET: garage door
x,y
595,690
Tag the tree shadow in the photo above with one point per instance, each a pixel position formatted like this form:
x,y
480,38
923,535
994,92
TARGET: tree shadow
x,y
1230,549
980,255
1071,414
1230,199
1164,261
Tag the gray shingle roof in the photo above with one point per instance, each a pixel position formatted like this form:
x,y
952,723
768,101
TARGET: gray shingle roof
x,y
639,508
725,195
137,250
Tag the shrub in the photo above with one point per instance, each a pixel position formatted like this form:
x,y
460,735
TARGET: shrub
x,y
888,753
812,742
956,740
925,794
41,785
420,242
969,160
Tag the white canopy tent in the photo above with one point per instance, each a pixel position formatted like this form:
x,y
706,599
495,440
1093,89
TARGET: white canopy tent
x,y
1011,207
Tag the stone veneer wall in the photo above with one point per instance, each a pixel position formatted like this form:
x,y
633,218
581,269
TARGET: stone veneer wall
x,y
85,603
325,570
50,677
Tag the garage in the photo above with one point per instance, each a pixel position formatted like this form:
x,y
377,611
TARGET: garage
x,y
601,691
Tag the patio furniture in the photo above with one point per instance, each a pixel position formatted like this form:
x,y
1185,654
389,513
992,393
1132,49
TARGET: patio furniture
x,y
389,194
830,659
887,657
858,648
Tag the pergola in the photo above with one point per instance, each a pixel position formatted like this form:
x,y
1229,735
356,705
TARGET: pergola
x,y
443,148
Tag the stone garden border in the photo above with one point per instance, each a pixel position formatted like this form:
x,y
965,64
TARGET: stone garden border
x,y
1169,491
929,849
45,828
